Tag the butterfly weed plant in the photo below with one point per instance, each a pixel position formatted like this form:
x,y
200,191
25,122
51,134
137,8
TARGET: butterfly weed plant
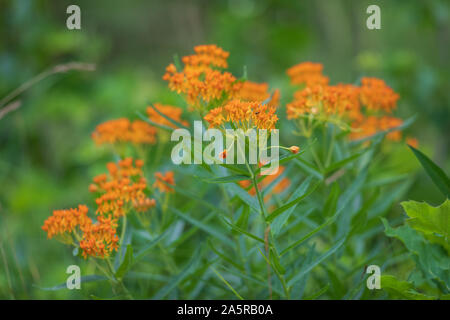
x,y
227,229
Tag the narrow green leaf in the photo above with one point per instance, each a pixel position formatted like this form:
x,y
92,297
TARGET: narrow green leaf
x,y
283,208
208,229
83,279
318,293
227,284
227,179
174,122
337,165
161,126
248,234
175,281
321,258
126,263
436,174
307,236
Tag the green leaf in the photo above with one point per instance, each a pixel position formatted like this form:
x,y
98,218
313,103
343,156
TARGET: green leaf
x,y
227,179
283,159
174,122
402,289
283,208
276,262
208,229
314,263
248,234
279,221
431,259
308,168
436,174
126,263
318,293
337,165
227,284
161,126
307,236
175,281
83,279
432,222
142,253
235,190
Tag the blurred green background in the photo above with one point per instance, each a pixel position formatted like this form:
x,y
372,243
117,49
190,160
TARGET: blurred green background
x,y
47,158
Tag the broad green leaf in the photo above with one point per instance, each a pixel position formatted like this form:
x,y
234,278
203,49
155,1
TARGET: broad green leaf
x,y
431,259
436,174
126,263
402,289
432,222
288,205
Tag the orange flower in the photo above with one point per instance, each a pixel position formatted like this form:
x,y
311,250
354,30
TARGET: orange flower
x,y
207,55
244,115
341,100
252,91
308,73
66,221
413,142
122,130
199,82
371,125
124,184
100,239
376,95
170,111
294,149
162,181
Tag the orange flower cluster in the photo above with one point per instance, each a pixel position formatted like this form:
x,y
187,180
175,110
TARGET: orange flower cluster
x,y
243,115
199,81
376,95
122,130
66,221
370,125
172,112
100,239
308,73
124,185
96,239
119,190
341,100
162,181
207,55
252,91
282,185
